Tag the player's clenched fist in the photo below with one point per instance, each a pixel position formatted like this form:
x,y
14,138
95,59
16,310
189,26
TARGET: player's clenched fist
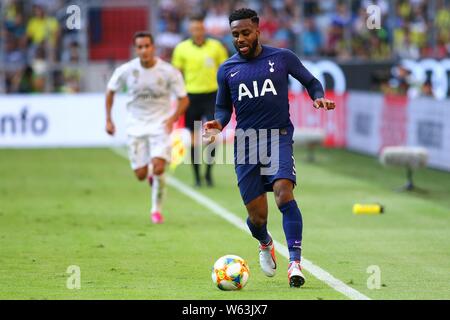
x,y
110,128
324,103
214,124
210,130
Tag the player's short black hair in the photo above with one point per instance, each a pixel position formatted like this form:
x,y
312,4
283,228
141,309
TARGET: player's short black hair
x,y
198,16
143,34
244,13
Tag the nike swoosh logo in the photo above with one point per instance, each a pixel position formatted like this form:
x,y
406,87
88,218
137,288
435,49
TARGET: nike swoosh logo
x,y
234,73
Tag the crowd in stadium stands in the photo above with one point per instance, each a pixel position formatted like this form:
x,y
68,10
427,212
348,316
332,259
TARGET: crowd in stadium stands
x,y
35,37
35,42
331,28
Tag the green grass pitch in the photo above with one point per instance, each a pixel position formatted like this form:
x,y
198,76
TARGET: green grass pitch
x,y
63,207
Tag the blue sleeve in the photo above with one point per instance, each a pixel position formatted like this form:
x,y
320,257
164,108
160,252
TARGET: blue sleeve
x,y
299,72
224,106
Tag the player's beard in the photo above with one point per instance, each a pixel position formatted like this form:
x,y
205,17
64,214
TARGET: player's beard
x,y
251,52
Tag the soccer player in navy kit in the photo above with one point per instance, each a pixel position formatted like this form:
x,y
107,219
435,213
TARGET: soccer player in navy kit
x,y
255,82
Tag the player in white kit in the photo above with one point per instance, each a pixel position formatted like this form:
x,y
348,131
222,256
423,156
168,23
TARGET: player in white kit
x,y
150,82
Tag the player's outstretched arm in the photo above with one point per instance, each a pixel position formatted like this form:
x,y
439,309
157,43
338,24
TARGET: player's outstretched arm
x,y
110,128
324,103
312,85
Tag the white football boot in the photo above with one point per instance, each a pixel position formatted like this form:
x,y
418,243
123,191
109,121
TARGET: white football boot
x,y
295,275
267,259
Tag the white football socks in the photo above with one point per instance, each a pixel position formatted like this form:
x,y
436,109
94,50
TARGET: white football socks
x,y
158,191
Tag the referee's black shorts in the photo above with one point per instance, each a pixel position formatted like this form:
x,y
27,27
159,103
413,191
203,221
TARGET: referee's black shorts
x,y
201,106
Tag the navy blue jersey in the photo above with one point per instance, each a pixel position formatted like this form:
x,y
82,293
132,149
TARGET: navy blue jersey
x,y
258,88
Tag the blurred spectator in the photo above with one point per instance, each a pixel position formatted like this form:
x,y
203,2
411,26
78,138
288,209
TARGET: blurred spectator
x,y
442,23
427,89
379,48
401,80
382,4
14,20
69,81
268,23
404,48
14,61
40,69
335,46
43,30
311,39
443,16
342,16
72,54
166,41
359,24
23,82
283,36
216,19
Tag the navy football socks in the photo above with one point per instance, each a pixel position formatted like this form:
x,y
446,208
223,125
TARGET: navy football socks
x,y
293,228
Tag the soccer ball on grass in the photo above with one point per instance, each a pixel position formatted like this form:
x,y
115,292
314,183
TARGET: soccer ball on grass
x,y
230,272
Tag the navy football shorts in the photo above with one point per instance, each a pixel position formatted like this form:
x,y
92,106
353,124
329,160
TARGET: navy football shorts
x,y
252,183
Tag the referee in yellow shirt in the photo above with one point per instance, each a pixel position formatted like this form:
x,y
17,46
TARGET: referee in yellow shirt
x,y
199,58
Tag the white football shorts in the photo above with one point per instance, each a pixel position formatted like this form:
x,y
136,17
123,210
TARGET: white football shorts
x,y
141,150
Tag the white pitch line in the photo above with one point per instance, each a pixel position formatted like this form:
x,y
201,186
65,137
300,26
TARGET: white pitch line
x,y
232,218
